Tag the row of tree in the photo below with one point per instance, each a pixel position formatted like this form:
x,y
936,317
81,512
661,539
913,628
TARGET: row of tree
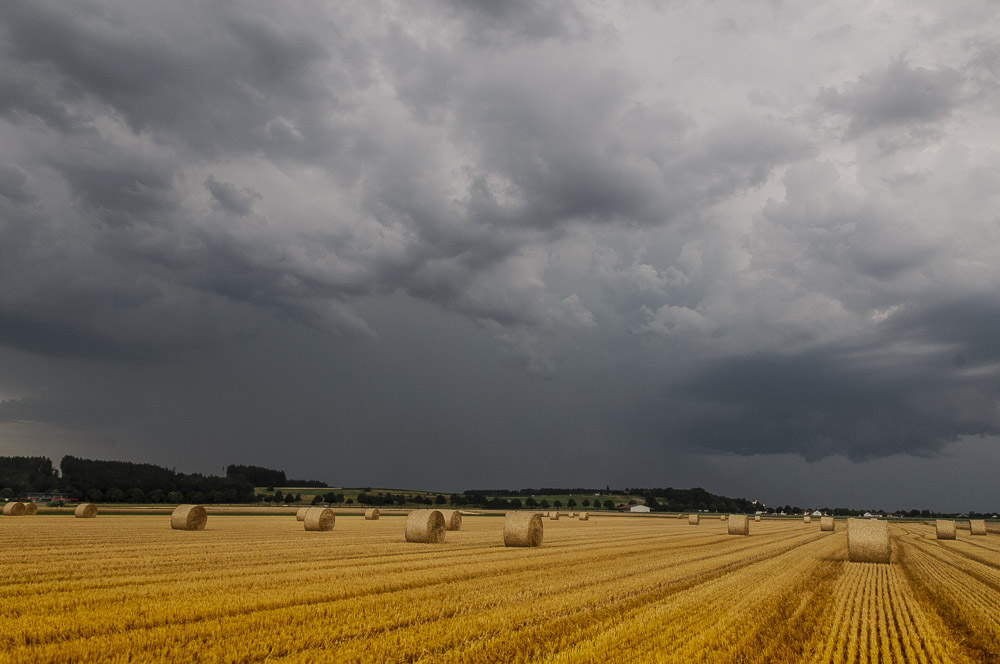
x,y
125,481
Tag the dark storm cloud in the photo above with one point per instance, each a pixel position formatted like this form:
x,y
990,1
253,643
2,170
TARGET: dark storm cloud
x,y
895,95
230,197
825,403
577,190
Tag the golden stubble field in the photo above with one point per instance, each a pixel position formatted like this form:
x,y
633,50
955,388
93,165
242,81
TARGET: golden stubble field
x,y
255,589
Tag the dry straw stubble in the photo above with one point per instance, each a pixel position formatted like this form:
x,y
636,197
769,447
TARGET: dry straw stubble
x,y
739,524
14,509
372,514
452,519
826,524
85,511
319,519
945,529
977,527
189,517
868,541
522,529
425,527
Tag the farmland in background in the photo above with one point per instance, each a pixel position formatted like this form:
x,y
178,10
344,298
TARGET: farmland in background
x,y
612,589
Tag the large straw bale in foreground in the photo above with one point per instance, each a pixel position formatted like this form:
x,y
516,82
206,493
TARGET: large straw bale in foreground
x,y
372,514
739,524
693,519
868,541
189,517
85,511
945,529
585,516
30,508
807,519
300,515
553,516
452,519
319,519
826,524
522,529
977,527
14,509
425,526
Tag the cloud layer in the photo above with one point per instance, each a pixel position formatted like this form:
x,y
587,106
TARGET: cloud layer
x,y
765,228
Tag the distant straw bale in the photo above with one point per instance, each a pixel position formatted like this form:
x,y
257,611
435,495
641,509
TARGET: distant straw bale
x,y
319,519
372,514
945,529
583,516
452,519
756,517
553,516
301,513
522,529
722,517
693,519
30,508
85,511
807,519
739,524
827,524
425,526
868,541
189,517
977,526
14,509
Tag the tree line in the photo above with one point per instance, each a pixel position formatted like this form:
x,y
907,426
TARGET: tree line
x,y
128,482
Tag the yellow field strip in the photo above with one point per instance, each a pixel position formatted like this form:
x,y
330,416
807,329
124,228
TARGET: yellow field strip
x,y
253,589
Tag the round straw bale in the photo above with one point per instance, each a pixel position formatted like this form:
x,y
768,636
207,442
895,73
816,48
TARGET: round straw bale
x,y
826,524
319,519
452,519
188,517
522,529
14,509
756,517
85,511
807,519
693,519
553,516
722,517
585,516
945,529
977,526
868,541
372,514
739,524
426,526
300,514
30,508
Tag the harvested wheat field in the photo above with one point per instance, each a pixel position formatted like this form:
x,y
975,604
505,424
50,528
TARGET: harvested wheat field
x,y
255,589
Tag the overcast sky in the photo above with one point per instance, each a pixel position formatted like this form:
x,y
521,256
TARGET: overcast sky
x,y
753,247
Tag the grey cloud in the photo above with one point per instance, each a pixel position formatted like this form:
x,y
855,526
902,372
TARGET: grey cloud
x,y
828,403
895,95
14,184
231,198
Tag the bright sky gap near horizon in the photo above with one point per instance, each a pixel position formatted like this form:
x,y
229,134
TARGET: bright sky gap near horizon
x,y
752,247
